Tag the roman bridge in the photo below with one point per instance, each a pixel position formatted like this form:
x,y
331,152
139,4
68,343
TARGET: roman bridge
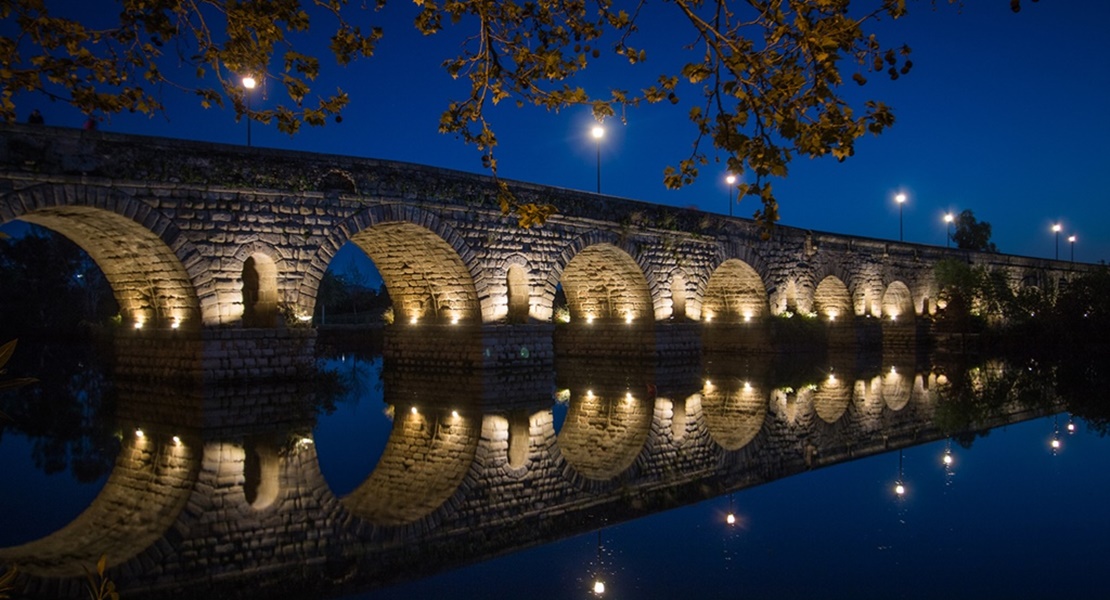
x,y
221,240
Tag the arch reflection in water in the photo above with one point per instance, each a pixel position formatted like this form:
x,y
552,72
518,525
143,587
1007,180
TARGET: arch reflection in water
x,y
491,474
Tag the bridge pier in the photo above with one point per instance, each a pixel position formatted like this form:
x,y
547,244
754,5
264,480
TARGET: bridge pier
x,y
215,354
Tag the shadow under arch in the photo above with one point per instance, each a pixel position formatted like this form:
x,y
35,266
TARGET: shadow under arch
x,y
149,487
147,277
428,269
735,292
424,462
260,293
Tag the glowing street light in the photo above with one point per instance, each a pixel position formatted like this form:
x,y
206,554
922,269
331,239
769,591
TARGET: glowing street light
x,y
730,180
900,199
1071,240
1056,229
248,83
948,219
598,132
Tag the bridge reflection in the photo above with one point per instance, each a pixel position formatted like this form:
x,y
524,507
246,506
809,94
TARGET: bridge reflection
x,y
217,489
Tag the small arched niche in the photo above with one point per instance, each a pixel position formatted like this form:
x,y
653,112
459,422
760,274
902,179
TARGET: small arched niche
x,y
518,294
260,473
260,295
678,297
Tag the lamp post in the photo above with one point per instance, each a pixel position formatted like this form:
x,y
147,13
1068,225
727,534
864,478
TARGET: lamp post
x,y
248,84
730,179
900,199
598,132
1071,240
948,218
1056,229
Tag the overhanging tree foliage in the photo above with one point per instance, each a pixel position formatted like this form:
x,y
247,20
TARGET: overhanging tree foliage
x,y
972,234
768,73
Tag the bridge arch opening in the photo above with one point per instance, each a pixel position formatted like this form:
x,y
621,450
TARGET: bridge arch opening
x,y
605,431
424,275
897,302
734,411
678,297
147,278
428,454
602,282
734,293
260,293
831,299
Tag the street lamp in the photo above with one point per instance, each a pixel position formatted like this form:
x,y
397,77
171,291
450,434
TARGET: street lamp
x,y
248,83
1071,240
730,180
948,218
1056,229
900,199
598,132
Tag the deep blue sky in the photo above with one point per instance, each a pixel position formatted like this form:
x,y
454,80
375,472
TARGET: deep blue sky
x,y
1002,114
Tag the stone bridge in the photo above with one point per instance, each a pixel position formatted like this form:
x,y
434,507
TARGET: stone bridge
x,y
217,491
216,239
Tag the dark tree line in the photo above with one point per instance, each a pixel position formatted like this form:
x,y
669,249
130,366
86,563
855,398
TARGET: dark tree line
x,y
49,285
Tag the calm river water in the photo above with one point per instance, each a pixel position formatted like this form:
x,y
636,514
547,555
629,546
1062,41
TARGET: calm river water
x,y
1013,515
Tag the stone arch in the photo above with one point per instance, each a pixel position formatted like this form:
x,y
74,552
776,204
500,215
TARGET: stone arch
x,y
735,292
260,291
831,398
627,278
427,267
831,299
603,282
140,251
423,464
146,492
518,292
734,412
895,389
605,432
897,301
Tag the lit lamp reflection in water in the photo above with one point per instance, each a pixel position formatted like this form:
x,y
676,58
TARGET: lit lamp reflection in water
x,y
948,461
1055,444
599,582
899,484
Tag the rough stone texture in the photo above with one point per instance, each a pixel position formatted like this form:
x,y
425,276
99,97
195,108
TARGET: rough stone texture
x,y
203,235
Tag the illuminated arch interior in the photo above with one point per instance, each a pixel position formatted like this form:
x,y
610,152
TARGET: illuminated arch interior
x,y
734,412
517,284
678,296
260,294
148,280
424,275
603,282
735,293
424,461
604,432
831,299
897,301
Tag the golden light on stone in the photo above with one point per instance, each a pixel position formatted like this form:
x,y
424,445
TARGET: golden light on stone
x,y
455,414
176,441
138,323
628,318
139,433
176,323
455,320
747,316
413,320
590,318
413,410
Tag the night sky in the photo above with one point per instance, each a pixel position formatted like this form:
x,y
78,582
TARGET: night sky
x,y
999,115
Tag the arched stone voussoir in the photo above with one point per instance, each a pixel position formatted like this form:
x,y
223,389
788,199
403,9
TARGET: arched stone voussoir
x,y
428,268
145,257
